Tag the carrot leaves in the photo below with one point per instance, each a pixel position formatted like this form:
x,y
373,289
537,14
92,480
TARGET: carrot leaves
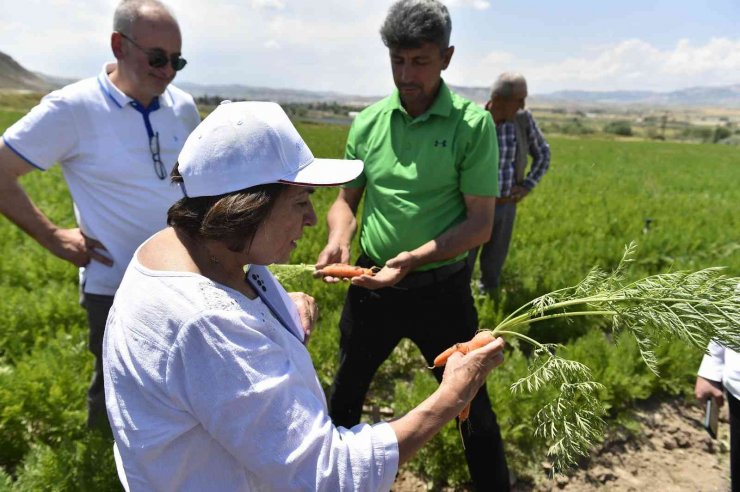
x,y
691,307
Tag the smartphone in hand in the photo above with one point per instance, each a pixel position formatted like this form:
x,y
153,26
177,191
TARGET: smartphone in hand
x,y
711,418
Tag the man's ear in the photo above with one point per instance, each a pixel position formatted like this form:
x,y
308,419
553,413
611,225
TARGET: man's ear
x,y
494,107
116,45
447,56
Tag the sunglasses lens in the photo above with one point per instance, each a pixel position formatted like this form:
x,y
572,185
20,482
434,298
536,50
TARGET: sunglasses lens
x,y
178,63
157,60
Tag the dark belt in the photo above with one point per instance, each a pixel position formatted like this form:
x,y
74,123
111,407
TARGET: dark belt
x,y
415,280
505,199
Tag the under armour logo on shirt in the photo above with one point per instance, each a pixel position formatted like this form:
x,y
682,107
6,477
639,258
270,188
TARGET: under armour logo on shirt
x,y
440,143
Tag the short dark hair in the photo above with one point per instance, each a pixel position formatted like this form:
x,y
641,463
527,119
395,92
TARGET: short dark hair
x,y
410,23
232,218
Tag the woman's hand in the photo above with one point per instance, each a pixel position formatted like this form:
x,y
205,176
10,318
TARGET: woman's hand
x,y
462,378
465,374
307,310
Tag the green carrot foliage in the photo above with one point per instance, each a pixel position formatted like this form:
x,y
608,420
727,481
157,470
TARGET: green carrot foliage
x,y
691,307
44,366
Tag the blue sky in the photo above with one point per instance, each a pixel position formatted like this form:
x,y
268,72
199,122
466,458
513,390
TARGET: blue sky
x,y
334,44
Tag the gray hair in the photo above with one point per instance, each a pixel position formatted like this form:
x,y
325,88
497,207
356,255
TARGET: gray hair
x,y
129,12
507,83
410,23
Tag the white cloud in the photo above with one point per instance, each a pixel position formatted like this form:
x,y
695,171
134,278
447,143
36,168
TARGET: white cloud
x,y
322,45
268,4
476,4
719,54
335,45
317,32
632,64
498,58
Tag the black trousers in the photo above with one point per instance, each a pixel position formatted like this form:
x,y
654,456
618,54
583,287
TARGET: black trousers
x,y
434,317
734,441
97,307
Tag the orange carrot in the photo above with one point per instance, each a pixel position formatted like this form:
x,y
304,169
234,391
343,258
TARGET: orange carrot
x,y
464,413
342,270
441,359
481,339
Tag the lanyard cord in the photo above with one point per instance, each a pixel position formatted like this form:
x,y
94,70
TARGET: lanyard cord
x,y
159,168
145,113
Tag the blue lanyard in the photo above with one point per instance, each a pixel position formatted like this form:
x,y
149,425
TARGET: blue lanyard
x,y
145,113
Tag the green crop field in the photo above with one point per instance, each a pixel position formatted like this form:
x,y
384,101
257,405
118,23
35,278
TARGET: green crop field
x,y
679,202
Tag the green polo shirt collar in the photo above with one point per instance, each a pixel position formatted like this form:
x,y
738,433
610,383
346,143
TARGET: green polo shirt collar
x,y
441,106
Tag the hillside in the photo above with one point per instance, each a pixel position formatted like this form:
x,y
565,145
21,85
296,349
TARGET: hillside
x,y
692,97
237,91
14,77
723,96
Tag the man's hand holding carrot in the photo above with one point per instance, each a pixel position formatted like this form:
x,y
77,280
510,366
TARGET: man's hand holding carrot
x,y
393,272
333,252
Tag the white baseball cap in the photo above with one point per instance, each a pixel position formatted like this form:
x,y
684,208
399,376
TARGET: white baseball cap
x,y
245,144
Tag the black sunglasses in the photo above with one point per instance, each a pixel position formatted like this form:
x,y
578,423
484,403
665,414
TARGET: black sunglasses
x,y
158,57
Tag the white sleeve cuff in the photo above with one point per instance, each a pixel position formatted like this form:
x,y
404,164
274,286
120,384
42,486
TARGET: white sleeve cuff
x,y
713,363
385,446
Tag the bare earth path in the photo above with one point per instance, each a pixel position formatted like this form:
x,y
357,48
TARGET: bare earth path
x,y
673,453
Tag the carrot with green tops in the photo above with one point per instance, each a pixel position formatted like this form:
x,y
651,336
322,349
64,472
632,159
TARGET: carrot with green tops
x,y
342,270
481,339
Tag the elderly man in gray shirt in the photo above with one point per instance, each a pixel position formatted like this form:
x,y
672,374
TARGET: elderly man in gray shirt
x,y
518,138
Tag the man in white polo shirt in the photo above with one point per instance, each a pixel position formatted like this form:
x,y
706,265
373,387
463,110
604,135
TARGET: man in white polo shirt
x,y
117,137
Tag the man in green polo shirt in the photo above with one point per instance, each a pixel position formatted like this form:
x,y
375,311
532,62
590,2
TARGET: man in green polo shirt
x,y
430,181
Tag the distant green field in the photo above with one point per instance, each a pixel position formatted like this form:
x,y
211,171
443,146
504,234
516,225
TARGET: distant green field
x,y
678,201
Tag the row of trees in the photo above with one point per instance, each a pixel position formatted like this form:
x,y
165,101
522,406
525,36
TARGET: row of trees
x,y
297,109
726,134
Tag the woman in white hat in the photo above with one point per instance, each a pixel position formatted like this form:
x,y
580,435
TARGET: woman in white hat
x,y
208,382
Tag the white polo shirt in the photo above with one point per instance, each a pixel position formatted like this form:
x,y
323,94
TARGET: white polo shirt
x,y
103,145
